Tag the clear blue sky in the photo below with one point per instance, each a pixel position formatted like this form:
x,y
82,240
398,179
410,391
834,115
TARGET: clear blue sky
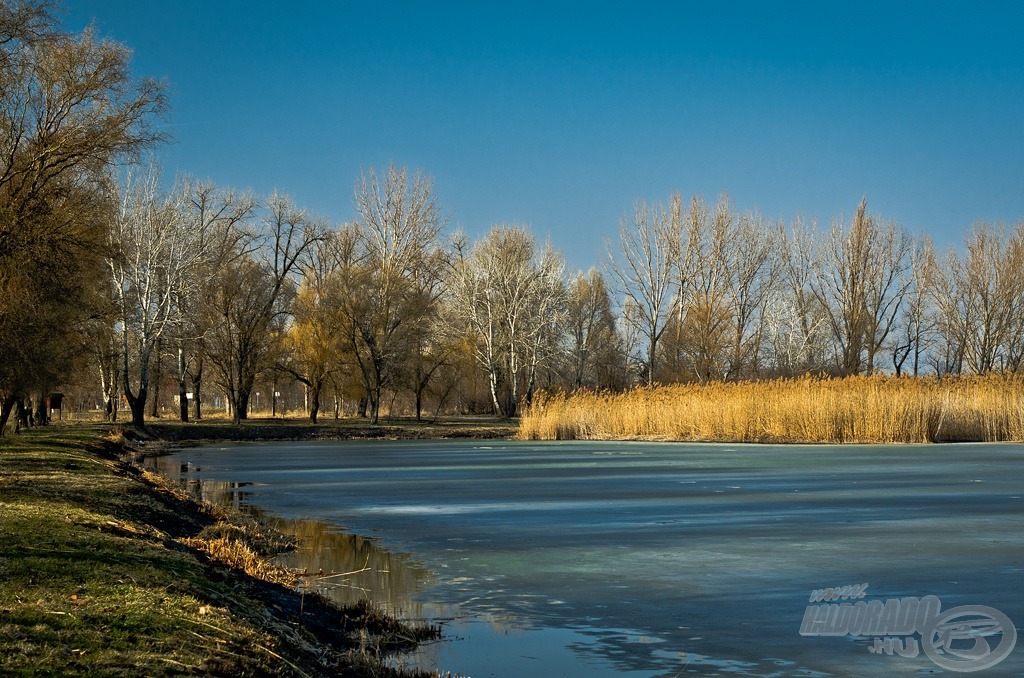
x,y
561,115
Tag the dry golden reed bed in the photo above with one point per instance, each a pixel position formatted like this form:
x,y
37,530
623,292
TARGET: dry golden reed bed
x,y
874,409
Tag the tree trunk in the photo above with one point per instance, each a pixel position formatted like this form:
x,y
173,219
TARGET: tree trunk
x,y
314,402
182,395
197,382
246,386
5,412
137,404
650,358
155,405
374,408
240,408
22,414
108,382
42,411
511,401
492,380
273,398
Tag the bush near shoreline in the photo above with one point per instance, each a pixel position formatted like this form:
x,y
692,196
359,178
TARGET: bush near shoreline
x,y
107,571
863,409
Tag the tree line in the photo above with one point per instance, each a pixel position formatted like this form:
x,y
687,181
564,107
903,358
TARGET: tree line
x,y
109,280
69,111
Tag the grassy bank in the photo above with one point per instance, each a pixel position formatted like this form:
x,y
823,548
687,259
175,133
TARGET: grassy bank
x,y
106,571
806,410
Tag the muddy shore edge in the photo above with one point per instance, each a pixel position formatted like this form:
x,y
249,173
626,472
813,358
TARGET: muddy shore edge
x,y
105,569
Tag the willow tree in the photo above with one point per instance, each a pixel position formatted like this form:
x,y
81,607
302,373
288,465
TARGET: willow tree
x,y
315,340
69,108
393,282
250,298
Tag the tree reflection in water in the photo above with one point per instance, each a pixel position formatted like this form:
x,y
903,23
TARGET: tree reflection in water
x,y
392,581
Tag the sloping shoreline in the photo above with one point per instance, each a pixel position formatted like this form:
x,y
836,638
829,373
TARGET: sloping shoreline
x,y
107,570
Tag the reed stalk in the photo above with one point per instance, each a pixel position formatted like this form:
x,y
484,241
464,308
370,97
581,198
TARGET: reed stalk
x,y
862,409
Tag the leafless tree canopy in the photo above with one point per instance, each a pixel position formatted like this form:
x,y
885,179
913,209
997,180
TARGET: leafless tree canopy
x,y
511,297
217,294
385,308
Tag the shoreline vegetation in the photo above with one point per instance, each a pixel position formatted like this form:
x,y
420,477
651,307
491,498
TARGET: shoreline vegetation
x,y
863,409
106,569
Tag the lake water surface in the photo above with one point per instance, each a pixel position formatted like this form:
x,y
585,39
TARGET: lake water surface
x,y
646,559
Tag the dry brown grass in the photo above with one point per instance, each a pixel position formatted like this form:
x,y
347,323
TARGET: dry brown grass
x,y
875,409
237,554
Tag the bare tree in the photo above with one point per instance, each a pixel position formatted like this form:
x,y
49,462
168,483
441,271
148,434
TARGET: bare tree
x,y
752,267
634,360
105,348
861,281
512,298
25,23
433,350
594,343
724,271
252,297
153,256
547,306
316,348
703,318
644,269
915,331
796,320
220,218
981,299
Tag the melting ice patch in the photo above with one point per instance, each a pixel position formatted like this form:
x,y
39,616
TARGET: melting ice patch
x,y
476,507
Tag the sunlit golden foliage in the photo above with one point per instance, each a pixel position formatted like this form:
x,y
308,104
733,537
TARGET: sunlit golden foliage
x,y
875,409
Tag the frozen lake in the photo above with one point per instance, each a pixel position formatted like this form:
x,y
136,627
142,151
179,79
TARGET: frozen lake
x,y
646,559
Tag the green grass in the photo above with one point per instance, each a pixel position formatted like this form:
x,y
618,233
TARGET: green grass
x,y
96,578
